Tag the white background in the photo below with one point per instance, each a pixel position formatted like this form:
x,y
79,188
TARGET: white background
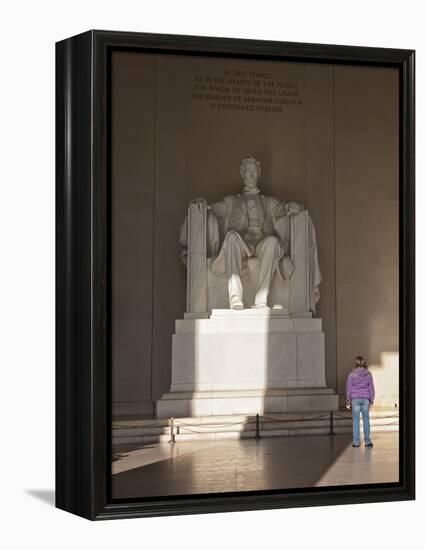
x,y
28,33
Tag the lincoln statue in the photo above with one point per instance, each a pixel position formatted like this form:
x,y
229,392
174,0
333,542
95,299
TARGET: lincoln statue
x,y
251,225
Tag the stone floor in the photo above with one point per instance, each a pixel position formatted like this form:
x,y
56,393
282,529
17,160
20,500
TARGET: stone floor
x,y
161,469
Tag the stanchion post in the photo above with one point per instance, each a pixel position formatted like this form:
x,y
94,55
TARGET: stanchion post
x,y
173,437
257,426
331,431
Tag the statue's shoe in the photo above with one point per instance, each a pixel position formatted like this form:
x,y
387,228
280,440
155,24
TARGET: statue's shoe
x,y
236,303
261,306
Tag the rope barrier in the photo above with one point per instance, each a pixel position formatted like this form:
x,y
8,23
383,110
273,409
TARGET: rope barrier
x,y
206,424
139,426
390,424
349,416
185,427
273,419
249,421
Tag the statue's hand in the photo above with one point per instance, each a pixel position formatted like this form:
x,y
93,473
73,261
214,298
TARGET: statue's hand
x,y
199,204
293,208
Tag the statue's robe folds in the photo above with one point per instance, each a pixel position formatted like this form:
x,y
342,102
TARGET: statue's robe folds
x,y
230,216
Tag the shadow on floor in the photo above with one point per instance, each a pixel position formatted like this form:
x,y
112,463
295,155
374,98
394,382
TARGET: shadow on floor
x,y
236,465
45,495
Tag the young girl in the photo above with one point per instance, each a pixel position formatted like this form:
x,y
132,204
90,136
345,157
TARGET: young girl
x,y
360,393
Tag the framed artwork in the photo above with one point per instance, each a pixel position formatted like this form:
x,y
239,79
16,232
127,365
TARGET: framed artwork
x,y
235,275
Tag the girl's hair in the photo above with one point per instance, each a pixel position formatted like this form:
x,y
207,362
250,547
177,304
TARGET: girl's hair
x,y
359,361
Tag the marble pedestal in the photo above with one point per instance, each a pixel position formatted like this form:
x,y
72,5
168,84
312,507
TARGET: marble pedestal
x,y
247,362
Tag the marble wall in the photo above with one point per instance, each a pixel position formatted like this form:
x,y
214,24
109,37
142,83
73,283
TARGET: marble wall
x,y
132,215
366,206
335,152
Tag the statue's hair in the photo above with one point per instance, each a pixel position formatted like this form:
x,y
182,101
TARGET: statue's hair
x,y
246,161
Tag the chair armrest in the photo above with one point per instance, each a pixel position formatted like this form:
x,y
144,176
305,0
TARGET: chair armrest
x,y
196,298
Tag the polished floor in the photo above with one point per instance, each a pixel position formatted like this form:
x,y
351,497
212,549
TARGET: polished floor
x,y
161,469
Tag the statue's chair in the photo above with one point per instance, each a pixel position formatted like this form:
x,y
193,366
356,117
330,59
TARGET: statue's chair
x,y
290,288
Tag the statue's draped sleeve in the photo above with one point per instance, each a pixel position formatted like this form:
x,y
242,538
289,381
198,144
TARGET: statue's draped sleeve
x,y
183,239
219,214
314,268
213,234
281,222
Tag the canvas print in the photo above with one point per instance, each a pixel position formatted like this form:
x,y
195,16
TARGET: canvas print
x,y
254,275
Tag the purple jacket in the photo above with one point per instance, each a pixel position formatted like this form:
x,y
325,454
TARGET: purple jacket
x,y
360,385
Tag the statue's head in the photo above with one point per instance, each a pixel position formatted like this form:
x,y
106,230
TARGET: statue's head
x,y
250,171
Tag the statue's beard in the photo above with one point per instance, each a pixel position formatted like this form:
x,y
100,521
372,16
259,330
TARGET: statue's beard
x,y
249,190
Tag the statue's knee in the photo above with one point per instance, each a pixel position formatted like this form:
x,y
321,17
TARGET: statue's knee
x,y
232,236
269,245
271,241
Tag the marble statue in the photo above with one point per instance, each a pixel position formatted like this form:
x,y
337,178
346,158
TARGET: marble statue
x,y
248,342
252,225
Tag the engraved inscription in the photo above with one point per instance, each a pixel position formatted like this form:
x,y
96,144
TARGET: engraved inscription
x,y
248,91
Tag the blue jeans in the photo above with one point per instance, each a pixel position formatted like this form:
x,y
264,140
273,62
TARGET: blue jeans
x,y
357,406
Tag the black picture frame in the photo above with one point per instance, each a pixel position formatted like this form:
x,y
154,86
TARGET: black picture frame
x,y
83,404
